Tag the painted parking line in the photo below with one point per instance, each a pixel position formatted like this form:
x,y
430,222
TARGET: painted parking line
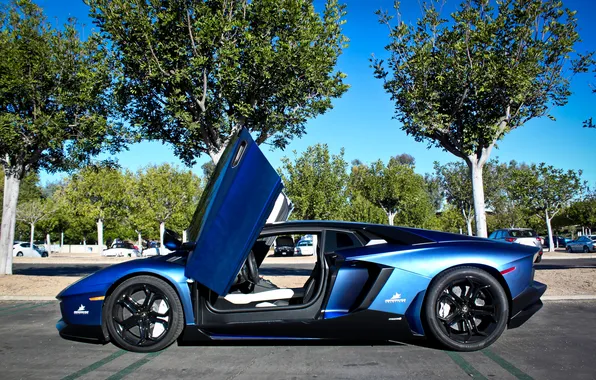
x,y
19,309
94,366
134,366
464,365
521,375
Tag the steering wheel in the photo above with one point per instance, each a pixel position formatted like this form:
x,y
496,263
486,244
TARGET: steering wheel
x,y
251,270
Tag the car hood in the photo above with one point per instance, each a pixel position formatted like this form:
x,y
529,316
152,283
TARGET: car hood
x,y
243,193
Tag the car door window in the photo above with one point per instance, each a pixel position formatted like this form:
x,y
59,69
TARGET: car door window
x,y
493,235
336,240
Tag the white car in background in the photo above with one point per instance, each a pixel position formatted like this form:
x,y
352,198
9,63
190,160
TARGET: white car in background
x,y
305,248
156,251
24,249
121,250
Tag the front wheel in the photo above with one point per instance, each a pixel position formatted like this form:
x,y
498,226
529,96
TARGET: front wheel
x,y
568,249
144,314
466,309
586,249
20,254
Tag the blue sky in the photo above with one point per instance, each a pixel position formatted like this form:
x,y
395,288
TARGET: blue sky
x,y
361,121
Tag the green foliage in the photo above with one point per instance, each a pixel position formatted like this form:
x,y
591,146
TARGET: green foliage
x,y
164,194
545,189
396,189
451,220
53,93
316,183
583,212
192,71
462,84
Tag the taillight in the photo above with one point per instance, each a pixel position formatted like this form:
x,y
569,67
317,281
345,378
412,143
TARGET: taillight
x,y
510,240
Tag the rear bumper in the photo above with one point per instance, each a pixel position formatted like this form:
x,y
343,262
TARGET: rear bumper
x,y
526,304
82,333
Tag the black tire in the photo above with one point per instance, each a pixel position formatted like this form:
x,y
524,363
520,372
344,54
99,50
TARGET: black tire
x,y
539,259
568,249
475,318
44,254
586,249
20,254
134,331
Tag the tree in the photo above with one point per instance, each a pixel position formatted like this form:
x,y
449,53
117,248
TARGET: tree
x,y
32,212
195,71
100,194
53,103
545,190
457,187
316,183
582,212
463,84
396,189
166,194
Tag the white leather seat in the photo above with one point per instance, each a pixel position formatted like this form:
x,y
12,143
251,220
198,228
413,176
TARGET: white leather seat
x,y
270,295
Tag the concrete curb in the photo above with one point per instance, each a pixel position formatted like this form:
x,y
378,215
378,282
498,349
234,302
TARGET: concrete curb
x,y
27,298
586,297
568,257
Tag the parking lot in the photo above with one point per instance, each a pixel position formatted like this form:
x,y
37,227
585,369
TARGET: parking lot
x,y
557,343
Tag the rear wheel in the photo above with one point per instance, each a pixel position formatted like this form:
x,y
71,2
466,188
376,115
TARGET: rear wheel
x,y
144,314
466,309
20,254
568,249
586,249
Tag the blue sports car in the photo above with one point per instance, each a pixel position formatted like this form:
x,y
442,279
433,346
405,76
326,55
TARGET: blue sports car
x,y
370,282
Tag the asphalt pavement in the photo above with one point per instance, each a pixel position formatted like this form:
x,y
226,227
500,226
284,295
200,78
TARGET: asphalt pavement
x,y
557,343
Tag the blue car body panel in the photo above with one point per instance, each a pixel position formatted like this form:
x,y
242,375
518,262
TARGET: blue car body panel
x,y
240,197
77,296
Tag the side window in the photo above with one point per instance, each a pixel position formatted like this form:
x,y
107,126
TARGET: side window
x,y
25,245
336,240
493,235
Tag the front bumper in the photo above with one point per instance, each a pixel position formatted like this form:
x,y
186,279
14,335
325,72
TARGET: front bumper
x,y
526,304
82,333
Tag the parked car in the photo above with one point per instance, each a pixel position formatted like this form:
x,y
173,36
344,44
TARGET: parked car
x,y
305,248
583,244
561,241
123,249
24,249
156,250
460,291
284,246
525,236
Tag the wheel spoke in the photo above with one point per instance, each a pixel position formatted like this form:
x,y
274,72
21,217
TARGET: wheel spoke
x,y
154,318
149,301
129,303
455,297
143,332
483,311
128,323
475,327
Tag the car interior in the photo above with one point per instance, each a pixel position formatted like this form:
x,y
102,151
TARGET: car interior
x,y
251,290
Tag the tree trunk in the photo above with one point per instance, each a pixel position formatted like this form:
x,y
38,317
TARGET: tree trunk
x,y
184,237
61,239
139,241
9,213
216,154
478,195
31,235
469,225
550,231
49,244
391,216
162,230
100,235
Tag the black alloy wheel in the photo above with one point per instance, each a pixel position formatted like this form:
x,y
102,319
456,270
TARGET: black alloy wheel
x,y
466,309
144,314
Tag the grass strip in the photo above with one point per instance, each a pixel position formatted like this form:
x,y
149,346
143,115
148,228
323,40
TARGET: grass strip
x,y
94,366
